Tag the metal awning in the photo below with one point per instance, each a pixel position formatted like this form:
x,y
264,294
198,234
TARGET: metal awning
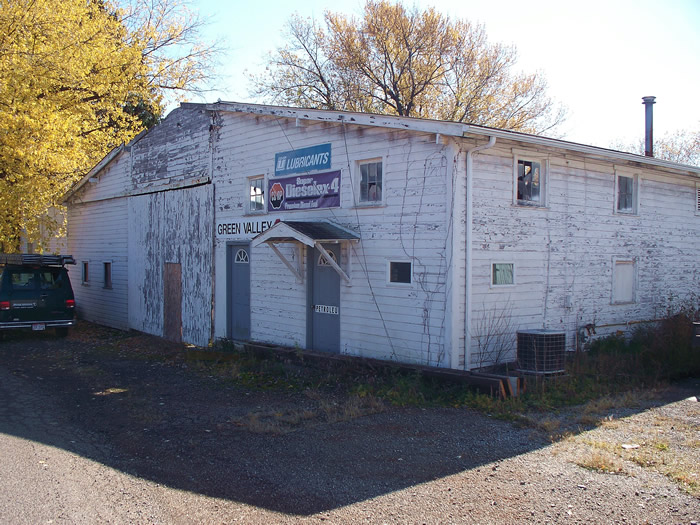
x,y
313,234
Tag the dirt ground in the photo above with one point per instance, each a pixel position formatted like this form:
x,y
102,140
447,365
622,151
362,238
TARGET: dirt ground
x,y
273,453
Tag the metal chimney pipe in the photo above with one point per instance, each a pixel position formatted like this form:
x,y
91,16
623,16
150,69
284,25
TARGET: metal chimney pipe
x,y
649,125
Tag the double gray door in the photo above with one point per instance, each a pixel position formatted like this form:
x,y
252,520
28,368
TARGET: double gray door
x,y
238,295
324,325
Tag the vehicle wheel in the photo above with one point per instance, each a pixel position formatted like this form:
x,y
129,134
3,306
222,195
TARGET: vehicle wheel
x,y
62,331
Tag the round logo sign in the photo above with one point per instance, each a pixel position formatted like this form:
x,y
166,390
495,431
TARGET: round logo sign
x,y
276,195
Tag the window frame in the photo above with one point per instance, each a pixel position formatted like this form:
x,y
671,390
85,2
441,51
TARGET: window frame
x,y
107,275
509,285
634,210
399,283
85,272
523,156
624,261
357,183
249,195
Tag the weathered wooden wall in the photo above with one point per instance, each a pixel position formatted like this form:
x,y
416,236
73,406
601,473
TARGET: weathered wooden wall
x,y
564,251
97,234
401,322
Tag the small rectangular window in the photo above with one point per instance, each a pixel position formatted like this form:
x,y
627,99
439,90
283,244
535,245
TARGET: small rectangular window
x,y
107,275
256,187
400,272
623,281
626,194
371,182
529,182
502,274
85,276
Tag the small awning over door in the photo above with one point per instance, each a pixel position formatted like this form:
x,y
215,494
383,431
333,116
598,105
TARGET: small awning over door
x,y
312,234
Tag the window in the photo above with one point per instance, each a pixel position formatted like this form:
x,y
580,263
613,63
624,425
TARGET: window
x,y
85,276
371,182
107,280
400,272
626,193
502,274
624,281
256,187
529,183
530,179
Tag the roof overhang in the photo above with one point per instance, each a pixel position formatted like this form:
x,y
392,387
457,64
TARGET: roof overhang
x,y
446,128
311,233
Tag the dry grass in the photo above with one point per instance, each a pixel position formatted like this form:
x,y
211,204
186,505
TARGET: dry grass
x,y
601,461
323,411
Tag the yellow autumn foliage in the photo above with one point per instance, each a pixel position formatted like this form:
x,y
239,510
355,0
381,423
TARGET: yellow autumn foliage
x,y
68,70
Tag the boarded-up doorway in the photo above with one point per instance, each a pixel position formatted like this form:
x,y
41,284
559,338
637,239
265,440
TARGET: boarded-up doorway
x,y
172,302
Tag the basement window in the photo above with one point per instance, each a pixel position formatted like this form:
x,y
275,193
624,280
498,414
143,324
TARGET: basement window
x,y
400,272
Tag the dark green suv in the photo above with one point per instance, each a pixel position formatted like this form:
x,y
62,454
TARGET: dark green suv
x,y
35,293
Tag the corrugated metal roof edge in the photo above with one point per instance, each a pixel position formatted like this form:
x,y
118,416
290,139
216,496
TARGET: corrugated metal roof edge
x,y
454,129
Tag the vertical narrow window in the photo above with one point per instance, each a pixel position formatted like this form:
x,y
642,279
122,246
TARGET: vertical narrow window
x,y
697,197
107,280
400,272
502,274
85,277
626,198
371,182
529,182
256,187
623,281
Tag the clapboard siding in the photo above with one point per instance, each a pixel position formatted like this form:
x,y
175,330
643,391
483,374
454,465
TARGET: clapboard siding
x,y
412,225
564,253
93,238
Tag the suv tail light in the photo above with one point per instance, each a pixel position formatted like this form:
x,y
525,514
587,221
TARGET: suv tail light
x,y
4,305
70,303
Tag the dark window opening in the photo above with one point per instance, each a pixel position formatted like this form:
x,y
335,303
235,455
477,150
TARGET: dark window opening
x,y
400,272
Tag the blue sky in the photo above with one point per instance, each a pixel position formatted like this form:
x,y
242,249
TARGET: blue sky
x,y
599,57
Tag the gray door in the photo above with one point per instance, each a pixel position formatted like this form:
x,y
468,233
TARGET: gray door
x,y
325,301
238,296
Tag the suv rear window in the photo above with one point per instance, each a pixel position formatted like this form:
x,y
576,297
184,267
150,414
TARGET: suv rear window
x,y
27,279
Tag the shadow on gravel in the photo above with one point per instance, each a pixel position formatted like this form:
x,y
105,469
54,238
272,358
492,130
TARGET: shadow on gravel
x,y
160,421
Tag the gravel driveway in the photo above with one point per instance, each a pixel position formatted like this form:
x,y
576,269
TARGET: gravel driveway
x,y
159,441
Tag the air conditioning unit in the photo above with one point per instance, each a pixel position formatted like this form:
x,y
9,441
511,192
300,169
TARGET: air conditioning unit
x,y
541,352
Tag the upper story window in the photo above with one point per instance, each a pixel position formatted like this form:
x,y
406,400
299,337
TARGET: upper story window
x,y
256,186
530,181
626,193
371,182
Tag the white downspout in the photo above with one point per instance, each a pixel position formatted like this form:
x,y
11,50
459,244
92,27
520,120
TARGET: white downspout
x,y
468,269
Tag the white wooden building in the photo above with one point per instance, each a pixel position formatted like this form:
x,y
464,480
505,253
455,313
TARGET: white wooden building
x,y
395,238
